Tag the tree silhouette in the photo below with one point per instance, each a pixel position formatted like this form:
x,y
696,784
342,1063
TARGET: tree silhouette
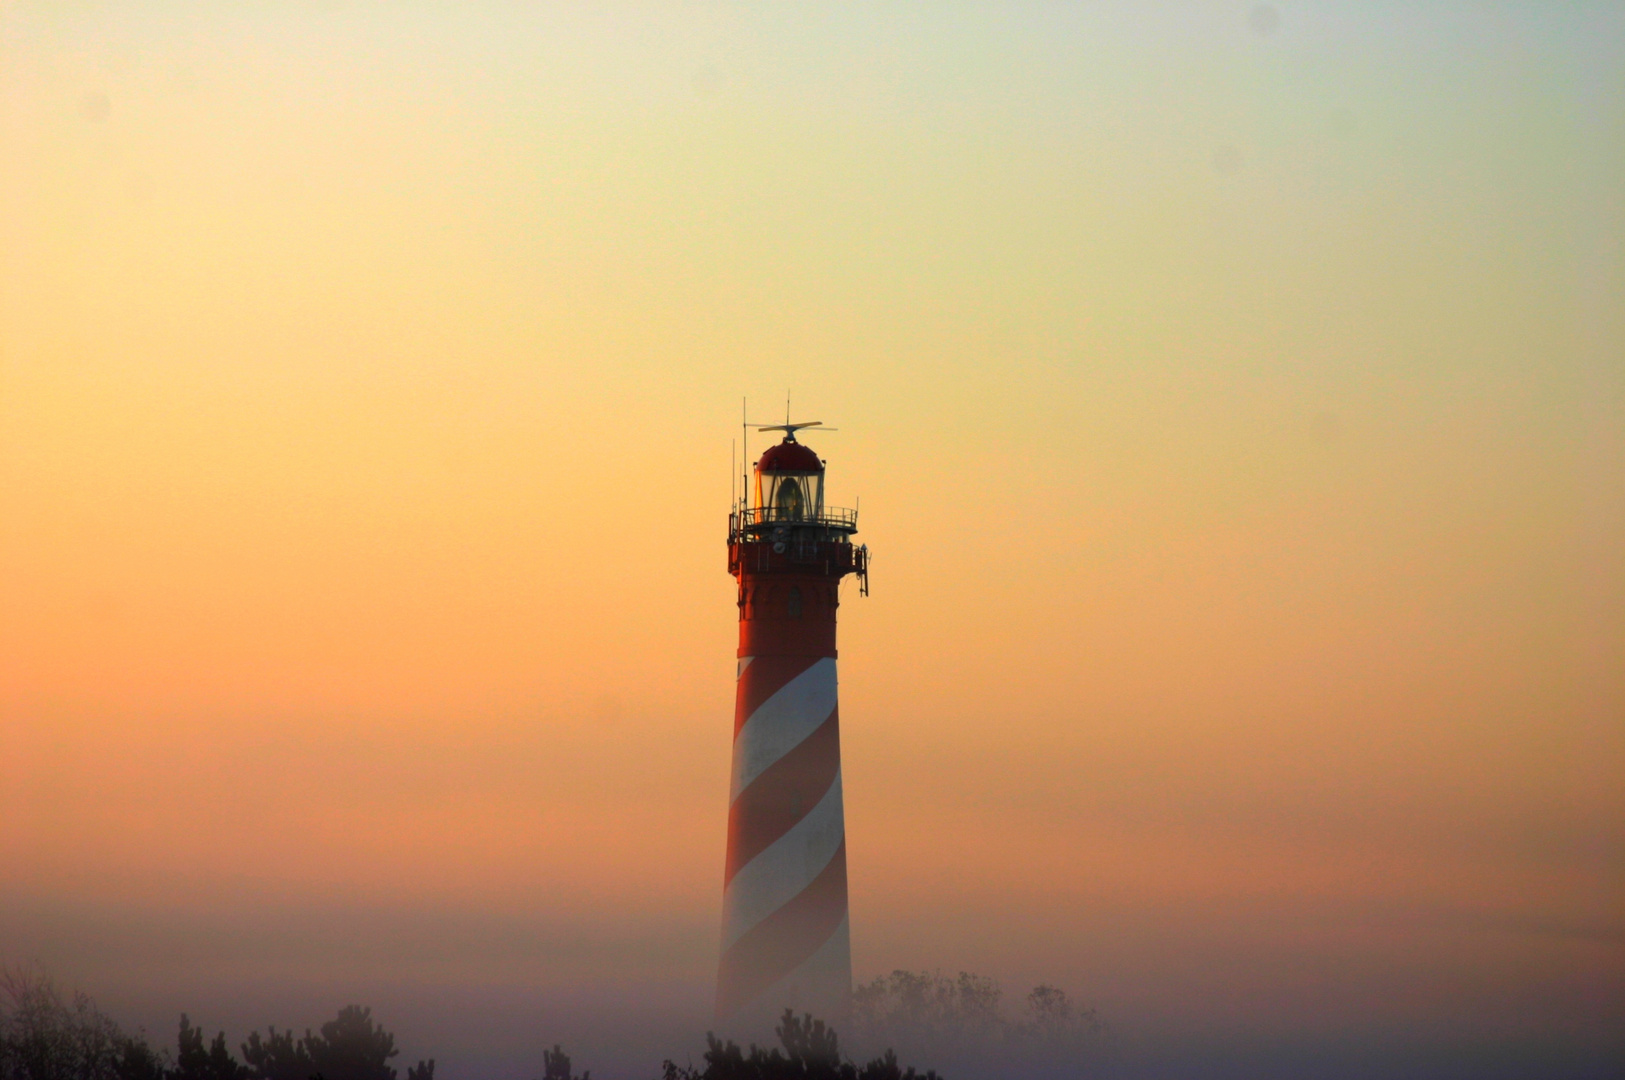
x,y
956,1022
193,1062
279,1056
556,1065
808,1050
44,1036
351,1047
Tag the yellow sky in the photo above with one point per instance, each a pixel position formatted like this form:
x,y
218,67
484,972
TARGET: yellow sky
x,y
1237,418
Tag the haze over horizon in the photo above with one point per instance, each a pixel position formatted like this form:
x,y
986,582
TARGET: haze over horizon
x,y
1234,392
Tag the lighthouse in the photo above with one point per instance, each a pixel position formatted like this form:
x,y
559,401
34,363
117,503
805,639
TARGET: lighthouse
x,y
785,936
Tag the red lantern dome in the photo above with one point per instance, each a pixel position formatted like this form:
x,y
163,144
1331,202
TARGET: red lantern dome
x,y
790,456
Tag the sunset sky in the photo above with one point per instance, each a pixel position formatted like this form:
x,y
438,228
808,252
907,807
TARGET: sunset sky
x,y
1236,397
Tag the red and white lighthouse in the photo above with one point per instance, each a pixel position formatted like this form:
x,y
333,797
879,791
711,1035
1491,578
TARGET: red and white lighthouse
x,y
785,937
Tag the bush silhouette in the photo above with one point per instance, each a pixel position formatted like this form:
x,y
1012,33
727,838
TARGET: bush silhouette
x,y
279,1056
808,1050
351,1047
958,1022
193,1062
556,1065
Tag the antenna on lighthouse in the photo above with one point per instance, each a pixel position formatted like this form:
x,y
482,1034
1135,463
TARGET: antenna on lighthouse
x,y
790,429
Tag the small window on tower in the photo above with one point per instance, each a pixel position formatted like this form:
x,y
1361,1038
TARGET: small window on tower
x,y
795,602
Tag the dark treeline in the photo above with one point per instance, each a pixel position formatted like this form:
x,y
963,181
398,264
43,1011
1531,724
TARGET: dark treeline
x,y
46,1035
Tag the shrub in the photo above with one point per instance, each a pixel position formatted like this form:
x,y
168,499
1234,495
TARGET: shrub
x,y
958,1023
808,1050
351,1047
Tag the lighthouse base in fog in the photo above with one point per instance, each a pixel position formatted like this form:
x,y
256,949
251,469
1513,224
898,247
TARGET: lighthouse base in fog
x,y
821,986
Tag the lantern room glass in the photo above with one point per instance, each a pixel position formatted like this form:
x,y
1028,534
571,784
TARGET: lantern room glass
x,y
789,496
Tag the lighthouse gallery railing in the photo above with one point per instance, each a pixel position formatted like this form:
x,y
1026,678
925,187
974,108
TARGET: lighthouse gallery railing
x,y
757,518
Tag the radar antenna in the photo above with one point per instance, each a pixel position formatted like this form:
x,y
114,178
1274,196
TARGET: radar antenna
x,y
791,429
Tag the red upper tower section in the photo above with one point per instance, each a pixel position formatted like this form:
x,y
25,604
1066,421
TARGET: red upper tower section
x,y
789,551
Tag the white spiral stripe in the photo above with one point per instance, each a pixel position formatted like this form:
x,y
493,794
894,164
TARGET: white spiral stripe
x,y
782,721
784,868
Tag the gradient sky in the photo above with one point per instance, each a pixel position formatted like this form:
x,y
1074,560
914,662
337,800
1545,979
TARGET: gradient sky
x,y
1237,399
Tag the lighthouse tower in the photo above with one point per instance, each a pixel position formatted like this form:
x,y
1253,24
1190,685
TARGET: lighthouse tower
x,y
785,939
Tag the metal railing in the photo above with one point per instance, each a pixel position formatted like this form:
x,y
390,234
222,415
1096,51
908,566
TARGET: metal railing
x,y
756,518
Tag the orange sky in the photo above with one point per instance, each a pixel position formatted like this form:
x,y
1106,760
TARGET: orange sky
x,y
1239,422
